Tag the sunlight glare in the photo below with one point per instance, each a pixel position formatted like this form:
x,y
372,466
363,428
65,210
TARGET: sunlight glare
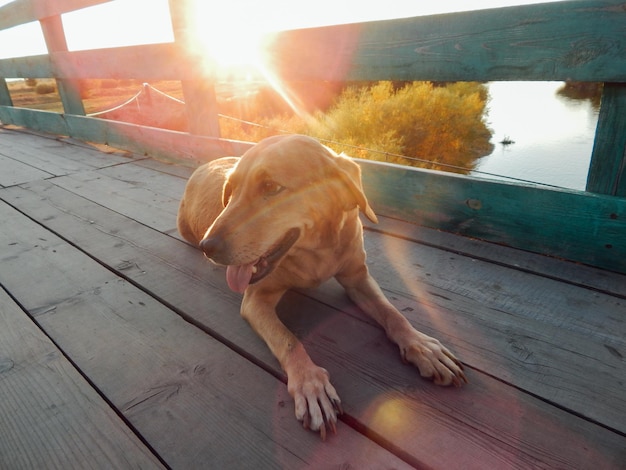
x,y
21,41
118,24
224,36
388,414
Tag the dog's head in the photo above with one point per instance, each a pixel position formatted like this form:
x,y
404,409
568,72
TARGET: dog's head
x,y
286,191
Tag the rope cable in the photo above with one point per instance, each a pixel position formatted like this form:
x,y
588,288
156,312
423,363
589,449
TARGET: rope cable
x,y
331,142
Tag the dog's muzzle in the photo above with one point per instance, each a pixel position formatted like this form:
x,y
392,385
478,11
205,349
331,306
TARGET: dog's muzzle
x,y
240,276
212,246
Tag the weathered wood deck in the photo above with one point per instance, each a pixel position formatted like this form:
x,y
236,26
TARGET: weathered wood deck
x,y
121,347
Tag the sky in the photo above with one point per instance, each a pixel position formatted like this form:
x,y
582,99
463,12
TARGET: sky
x,y
147,21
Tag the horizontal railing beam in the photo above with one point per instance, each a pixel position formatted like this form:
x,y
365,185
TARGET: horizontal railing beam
x,y
142,140
150,62
576,40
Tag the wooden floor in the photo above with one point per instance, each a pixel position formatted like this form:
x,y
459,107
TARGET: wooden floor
x,y
121,347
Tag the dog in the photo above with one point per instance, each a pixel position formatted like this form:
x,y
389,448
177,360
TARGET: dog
x,y
286,215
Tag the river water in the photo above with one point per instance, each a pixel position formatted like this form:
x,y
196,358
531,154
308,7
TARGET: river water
x,y
552,134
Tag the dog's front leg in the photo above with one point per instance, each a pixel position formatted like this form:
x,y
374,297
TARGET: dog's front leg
x,y
433,360
316,401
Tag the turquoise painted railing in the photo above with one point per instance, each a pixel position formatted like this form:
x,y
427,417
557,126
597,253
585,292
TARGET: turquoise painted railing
x,y
572,40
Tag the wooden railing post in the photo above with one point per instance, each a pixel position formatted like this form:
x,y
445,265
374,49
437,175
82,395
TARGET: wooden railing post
x,y
199,93
607,170
5,96
69,90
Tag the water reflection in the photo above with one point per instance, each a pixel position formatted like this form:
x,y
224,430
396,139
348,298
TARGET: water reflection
x,y
552,127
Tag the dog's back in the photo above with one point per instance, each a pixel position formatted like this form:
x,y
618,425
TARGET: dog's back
x,y
202,201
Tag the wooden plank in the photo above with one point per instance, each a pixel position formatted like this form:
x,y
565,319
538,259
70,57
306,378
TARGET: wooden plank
x,y
196,401
473,296
50,416
179,275
574,225
133,195
53,156
576,40
69,89
141,140
167,61
536,308
168,168
199,91
529,331
45,121
5,95
589,226
144,62
39,66
607,170
536,264
15,172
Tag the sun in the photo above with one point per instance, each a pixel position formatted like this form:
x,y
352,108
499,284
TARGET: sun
x,y
223,36
238,45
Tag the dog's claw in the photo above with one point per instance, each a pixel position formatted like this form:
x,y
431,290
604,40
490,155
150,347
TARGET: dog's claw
x,y
316,402
337,406
333,427
434,361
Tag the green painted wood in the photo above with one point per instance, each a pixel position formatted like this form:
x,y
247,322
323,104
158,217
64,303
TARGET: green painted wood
x,y
5,95
139,139
45,121
607,171
143,62
199,91
201,107
578,226
544,266
27,67
69,91
576,40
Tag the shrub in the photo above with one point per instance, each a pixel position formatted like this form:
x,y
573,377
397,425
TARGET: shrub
x,y
441,124
45,88
434,125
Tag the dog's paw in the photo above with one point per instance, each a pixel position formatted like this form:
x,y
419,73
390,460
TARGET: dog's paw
x,y
433,360
316,401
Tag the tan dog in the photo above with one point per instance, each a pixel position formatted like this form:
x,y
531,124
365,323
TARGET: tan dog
x,y
285,215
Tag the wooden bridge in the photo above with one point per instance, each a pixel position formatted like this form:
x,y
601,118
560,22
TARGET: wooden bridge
x,y
120,347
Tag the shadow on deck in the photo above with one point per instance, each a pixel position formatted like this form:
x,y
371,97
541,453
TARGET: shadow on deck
x,y
121,347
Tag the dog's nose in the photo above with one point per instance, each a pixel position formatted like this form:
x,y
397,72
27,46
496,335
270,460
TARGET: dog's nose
x,y
210,246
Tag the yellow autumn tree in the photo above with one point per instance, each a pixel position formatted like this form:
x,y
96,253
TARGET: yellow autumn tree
x,y
417,123
422,121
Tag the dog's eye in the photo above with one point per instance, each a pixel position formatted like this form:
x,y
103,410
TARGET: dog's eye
x,y
271,188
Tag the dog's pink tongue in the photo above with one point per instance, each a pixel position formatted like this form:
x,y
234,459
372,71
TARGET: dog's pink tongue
x,y
238,277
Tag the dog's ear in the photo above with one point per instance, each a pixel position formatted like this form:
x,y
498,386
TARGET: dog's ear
x,y
350,174
226,192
